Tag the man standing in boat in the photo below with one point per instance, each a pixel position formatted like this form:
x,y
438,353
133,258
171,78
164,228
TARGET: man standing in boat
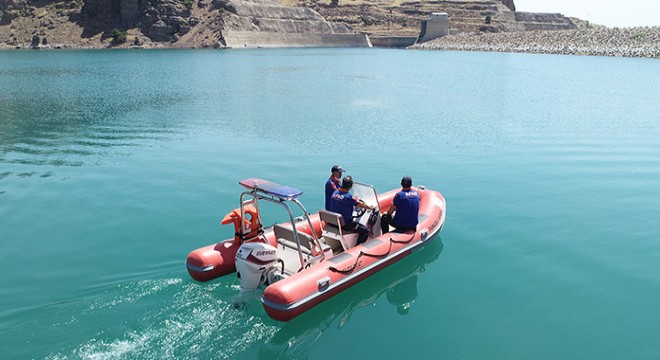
x,y
333,184
406,206
342,202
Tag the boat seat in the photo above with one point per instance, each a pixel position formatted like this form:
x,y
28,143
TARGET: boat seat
x,y
286,238
333,233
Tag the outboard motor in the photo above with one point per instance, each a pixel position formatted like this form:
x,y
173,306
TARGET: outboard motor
x,y
254,262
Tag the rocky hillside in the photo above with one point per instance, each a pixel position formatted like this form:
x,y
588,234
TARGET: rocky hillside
x,y
150,23
387,17
90,23
207,23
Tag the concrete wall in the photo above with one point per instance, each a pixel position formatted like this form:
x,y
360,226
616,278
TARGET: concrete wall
x,y
437,25
255,39
392,41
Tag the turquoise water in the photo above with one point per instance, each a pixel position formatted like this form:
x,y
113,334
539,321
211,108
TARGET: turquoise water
x,y
115,164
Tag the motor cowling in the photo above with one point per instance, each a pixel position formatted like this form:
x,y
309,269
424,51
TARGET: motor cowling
x,y
253,261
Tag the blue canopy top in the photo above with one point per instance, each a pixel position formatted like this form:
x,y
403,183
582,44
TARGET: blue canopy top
x,y
271,188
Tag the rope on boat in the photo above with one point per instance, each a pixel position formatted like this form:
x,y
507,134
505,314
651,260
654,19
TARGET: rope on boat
x,y
357,259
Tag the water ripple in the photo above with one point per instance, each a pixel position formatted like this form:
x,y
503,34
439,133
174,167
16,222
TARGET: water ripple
x,y
182,328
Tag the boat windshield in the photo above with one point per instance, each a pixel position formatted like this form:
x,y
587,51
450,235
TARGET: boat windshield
x,y
365,192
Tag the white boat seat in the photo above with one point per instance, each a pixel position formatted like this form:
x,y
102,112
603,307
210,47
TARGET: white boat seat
x,y
333,231
286,238
286,233
292,245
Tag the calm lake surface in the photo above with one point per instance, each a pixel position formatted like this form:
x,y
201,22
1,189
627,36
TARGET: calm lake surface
x,y
115,164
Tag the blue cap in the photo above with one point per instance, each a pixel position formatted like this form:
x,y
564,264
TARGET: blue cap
x,y
337,168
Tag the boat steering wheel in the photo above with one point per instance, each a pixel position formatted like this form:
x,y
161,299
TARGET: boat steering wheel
x,y
358,212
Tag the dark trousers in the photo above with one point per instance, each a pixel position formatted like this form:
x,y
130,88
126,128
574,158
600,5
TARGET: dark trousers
x,y
362,231
387,220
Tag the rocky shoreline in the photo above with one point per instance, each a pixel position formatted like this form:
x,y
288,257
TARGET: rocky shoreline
x,y
148,24
642,42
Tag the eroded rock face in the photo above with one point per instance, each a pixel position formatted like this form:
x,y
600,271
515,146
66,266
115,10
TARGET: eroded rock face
x,y
35,41
162,20
379,17
129,10
10,9
272,17
509,4
5,17
12,4
544,21
101,10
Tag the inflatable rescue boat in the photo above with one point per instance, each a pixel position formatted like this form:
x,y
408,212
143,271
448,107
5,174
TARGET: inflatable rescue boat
x,y
307,259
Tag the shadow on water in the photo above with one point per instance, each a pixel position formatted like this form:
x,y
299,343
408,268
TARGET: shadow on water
x,y
398,282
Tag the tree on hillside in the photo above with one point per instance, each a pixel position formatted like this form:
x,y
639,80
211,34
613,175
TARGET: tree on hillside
x,y
118,36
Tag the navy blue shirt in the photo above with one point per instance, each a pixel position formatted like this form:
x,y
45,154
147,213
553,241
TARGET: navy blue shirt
x,y
343,203
407,208
331,186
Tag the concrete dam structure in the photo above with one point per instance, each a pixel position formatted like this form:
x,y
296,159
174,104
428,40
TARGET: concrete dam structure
x,y
252,39
268,24
437,25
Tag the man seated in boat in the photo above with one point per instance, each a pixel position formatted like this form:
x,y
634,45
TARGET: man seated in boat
x,y
405,205
342,202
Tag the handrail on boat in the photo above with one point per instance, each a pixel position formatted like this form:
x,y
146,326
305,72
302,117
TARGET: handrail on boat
x,y
256,194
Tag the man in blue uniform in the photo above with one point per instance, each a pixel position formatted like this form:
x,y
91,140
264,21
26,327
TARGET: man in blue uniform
x,y
406,206
342,202
333,184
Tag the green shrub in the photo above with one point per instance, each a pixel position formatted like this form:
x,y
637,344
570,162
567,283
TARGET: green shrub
x,y
118,36
637,35
488,19
188,4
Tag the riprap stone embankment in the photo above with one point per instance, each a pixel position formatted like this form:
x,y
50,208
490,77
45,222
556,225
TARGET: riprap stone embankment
x,y
627,42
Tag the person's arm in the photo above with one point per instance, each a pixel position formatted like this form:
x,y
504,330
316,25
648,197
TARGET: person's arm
x,y
334,186
362,204
393,207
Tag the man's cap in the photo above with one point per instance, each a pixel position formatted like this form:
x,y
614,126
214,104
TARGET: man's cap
x,y
337,168
406,181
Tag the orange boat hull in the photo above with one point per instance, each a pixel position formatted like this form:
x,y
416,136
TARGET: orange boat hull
x,y
288,298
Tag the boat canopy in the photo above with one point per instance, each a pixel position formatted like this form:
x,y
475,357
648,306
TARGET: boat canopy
x,y
270,188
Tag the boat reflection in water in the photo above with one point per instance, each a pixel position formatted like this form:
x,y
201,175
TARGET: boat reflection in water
x,y
403,294
399,283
